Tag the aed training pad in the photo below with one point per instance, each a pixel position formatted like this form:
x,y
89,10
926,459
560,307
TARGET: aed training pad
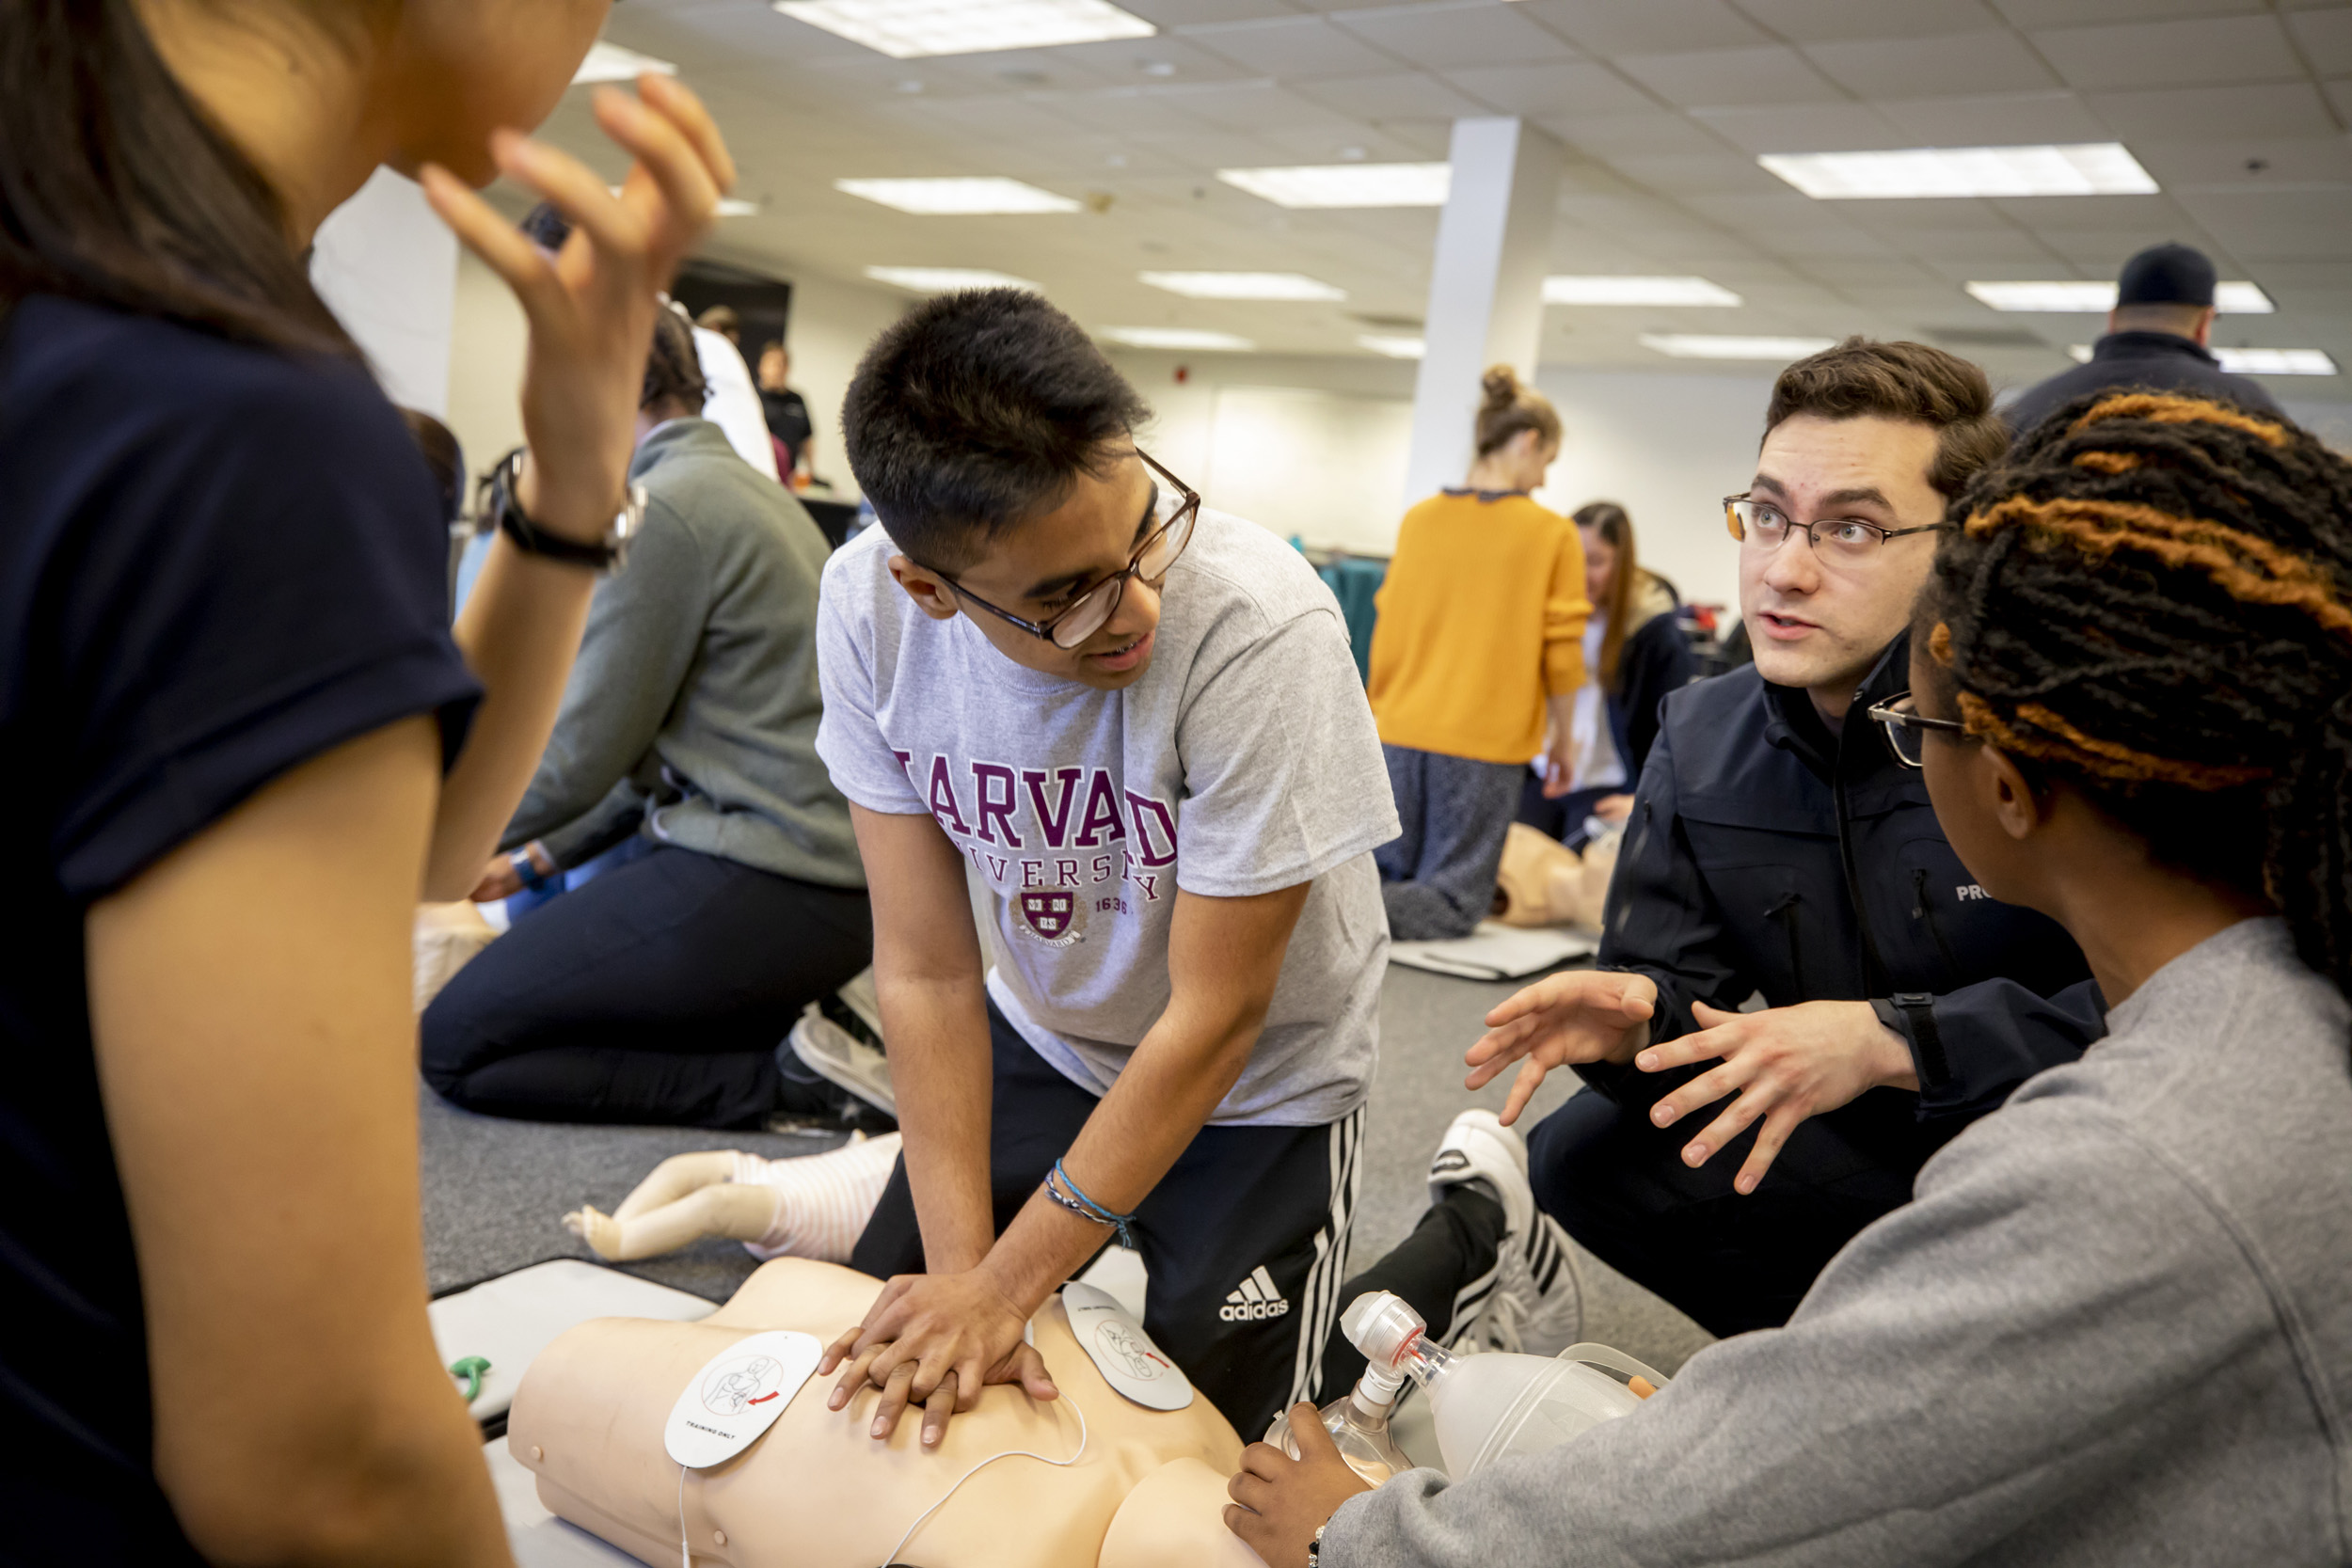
x,y
1121,1352
736,1396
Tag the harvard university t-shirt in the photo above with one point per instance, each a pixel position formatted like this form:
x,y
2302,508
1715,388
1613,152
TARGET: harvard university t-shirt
x,y
1243,762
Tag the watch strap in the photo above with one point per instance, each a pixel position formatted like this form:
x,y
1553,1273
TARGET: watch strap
x,y
1916,1009
601,556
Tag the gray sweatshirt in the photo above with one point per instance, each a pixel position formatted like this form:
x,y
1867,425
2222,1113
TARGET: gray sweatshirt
x,y
693,710
2115,1328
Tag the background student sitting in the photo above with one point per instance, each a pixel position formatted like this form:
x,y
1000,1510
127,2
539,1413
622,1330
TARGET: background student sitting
x,y
659,991
1634,652
1479,641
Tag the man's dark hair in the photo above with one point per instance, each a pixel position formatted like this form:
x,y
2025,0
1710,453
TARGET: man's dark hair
x,y
1899,381
2150,599
974,412
673,367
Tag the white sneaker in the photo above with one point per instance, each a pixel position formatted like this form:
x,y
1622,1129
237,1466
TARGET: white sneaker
x,y
841,1058
1533,1302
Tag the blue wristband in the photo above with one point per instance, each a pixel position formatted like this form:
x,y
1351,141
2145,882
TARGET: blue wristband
x,y
1072,1197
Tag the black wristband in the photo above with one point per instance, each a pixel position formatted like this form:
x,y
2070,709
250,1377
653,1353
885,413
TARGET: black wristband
x,y
1918,1008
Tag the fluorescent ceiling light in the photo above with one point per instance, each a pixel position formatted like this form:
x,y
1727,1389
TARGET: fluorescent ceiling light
x,y
1178,337
1395,348
1346,184
936,197
2254,361
736,207
2081,169
942,281
1566,290
2234,299
1243,285
609,62
904,29
1695,345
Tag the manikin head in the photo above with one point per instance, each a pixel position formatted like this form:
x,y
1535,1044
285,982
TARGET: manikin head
x,y
1516,436
2114,704
1861,441
996,445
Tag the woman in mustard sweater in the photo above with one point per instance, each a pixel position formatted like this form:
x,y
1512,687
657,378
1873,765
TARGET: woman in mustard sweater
x,y
1478,648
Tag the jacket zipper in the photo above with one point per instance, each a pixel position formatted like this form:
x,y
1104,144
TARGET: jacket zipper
x,y
1786,913
1922,910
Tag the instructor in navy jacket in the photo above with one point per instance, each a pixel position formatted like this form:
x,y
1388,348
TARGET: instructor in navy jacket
x,y
1779,849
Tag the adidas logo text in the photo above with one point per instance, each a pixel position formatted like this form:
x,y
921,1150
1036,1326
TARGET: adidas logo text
x,y
1253,1298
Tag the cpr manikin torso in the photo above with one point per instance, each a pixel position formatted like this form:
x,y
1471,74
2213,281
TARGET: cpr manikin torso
x,y
817,1492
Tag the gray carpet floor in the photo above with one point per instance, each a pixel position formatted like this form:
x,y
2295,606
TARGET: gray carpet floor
x,y
494,1191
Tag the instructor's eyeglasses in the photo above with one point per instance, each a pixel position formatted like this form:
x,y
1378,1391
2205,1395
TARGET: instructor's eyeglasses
x,y
1848,541
1905,728
1099,601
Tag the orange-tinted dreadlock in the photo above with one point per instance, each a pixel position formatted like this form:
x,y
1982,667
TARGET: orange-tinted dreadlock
x,y
2151,597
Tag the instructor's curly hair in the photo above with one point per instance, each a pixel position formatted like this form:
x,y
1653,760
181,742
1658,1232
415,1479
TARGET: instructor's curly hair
x,y
2150,599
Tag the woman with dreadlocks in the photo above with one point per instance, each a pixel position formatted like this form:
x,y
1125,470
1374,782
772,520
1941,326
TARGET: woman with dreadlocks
x,y
2116,1323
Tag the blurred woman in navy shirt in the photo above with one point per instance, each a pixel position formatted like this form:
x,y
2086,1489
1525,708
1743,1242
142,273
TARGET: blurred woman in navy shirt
x,y
237,728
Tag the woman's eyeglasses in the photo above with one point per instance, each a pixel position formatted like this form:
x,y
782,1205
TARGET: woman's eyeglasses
x,y
1098,602
1906,728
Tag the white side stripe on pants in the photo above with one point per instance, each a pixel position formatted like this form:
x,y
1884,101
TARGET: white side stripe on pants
x,y
1320,1297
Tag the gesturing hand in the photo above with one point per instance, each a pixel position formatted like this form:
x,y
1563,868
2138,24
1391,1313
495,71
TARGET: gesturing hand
x,y
1786,1063
591,309
935,1340
1583,1016
1280,1502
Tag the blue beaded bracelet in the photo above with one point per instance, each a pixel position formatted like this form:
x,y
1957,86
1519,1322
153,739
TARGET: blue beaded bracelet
x,y
1072,1197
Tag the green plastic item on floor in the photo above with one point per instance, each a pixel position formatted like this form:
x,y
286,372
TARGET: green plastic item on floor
x,y
469,1373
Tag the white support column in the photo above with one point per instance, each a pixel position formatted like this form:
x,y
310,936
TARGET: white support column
x,y
386,265
1486,287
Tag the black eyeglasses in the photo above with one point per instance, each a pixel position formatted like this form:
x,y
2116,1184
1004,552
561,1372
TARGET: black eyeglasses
x,y
1099,601
1905,728
1848,540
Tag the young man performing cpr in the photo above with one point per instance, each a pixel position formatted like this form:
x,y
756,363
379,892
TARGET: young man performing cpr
x,y
1134,725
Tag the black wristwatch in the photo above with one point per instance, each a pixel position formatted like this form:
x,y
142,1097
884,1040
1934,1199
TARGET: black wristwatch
x,y
605,555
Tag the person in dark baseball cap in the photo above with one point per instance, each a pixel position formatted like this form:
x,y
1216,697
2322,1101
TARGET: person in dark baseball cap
x,y
2157,337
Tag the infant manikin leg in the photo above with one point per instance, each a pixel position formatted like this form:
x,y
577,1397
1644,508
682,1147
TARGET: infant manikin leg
x,y
811,1206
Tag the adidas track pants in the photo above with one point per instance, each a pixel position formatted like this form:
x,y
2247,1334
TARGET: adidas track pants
x,y
1245,1238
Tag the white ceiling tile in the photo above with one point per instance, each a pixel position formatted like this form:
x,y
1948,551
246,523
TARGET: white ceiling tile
x,y
1130,111
1161,59
2248,164
1293,47
1392,95
2126,215
1685,173
1480,32
1555,87
1261,106
1730,76
1823,20
2284,109
1185,13
1615,28
2326,38
2204,49
1646,131
1978,62
2339,94
1974,245
2058,13
1803,128
1994,120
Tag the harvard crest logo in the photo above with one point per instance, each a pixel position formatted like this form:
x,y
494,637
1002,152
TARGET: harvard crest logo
x,y
1051,915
